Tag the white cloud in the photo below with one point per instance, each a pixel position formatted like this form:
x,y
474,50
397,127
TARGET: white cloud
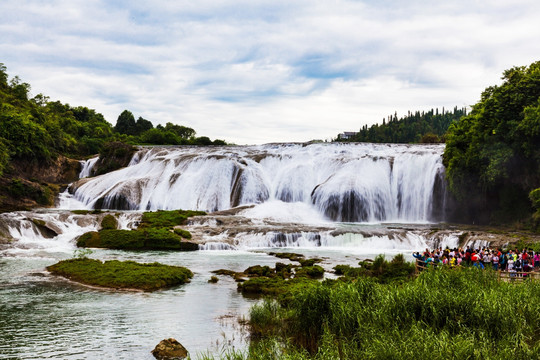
x,y
262,71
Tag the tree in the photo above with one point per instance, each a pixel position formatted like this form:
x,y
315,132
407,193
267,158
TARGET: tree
x,y
126,123
183,131
143,125
492,154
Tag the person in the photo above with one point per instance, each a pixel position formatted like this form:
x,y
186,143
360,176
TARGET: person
x,y
487,258
495,261
478,264
511,265
420,258
468,255
503,262
518,265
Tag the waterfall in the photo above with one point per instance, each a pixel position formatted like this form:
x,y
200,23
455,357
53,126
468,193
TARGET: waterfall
x,y
37,233
87,166
341,182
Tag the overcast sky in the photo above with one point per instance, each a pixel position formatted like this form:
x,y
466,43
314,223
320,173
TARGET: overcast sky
x,y
252,72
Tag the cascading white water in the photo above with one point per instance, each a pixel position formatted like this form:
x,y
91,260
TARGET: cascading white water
x,y
86,167
44,232
343,182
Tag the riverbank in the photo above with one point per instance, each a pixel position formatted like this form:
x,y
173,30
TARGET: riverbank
x,y
444,314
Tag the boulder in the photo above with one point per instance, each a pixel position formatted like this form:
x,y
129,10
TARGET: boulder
x,y
169,349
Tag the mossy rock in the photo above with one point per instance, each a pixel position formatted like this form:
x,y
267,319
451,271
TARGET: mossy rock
x,y
150,239
263,286
288,255
109,222
351,272
314,272
121,274
283,270
224,272
183,233
167,219
114,155
259,270
309,262
89,239
44,230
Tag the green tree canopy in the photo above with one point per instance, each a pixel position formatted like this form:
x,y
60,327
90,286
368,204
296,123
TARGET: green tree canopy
x,y
143,125
494,152
126,123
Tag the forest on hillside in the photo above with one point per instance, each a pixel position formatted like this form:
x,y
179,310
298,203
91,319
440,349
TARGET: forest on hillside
x,y
38,129
492,155
417,127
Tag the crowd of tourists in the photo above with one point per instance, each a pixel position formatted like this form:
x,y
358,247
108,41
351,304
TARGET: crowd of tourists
x,y
525,260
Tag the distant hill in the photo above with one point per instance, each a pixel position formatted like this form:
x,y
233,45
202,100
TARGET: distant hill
x,y
418,127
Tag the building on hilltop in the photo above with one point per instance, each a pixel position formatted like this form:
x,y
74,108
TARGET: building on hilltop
x,y
346,135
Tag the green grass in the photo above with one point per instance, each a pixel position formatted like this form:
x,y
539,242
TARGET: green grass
x,y
121,274
442,314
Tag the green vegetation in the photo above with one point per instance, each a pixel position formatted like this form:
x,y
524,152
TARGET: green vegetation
x,y
42,194
109,222
40,129
534,196
121,274
149,239
383,271
442,314
277,281
492,155
420,127
154,233
36,133
113,156
167,219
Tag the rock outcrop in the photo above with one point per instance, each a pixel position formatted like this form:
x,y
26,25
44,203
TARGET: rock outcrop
x,y
169,349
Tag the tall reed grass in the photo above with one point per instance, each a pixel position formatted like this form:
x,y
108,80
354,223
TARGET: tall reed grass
x,y
443,314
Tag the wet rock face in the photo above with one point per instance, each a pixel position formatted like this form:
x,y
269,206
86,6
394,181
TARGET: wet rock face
x,y
169,349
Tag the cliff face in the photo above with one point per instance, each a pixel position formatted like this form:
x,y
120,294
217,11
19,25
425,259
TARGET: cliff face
x,y
30,184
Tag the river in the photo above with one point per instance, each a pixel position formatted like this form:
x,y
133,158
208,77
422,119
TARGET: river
x,y
341,202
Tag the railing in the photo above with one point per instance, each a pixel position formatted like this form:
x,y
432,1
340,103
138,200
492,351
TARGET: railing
x,y
503,275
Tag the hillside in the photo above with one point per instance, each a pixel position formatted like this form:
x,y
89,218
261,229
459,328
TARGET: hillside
x,y
417,127
40,141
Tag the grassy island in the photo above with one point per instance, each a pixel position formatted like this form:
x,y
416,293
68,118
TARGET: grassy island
x,y
121,274
157,231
